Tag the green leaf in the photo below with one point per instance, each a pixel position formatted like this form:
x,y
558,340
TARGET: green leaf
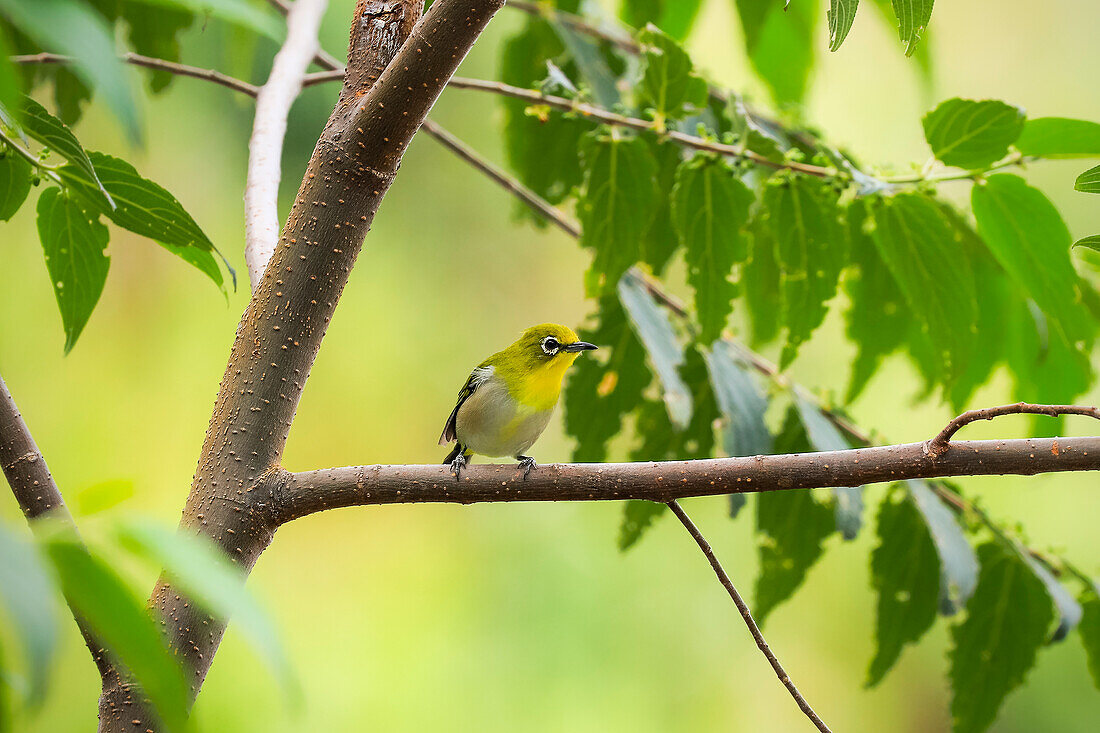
x,y
152,31
741,402
122,624
780,44
1089,181
615,206
669,85
825,436
674,17
197,567
710,208
145,208
1007,621
660,440
878,320
969,134
653,328
842,13
237,12
15,183
1090,242
1045,367
102,496
661,240
1089,628
638,516
27,597
793,525
810,250
598,394
905,572
760,279
73,244
1069,610
958,563
913,17
55,135
73,29
921,249
1026,234
591,65
1059,137
11,85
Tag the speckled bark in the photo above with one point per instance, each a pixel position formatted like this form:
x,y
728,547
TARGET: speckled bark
x,y
350,171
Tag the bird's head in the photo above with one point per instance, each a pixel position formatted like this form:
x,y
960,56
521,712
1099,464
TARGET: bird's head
x,y
548,344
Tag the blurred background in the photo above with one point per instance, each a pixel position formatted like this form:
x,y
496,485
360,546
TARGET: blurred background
x,y
517,617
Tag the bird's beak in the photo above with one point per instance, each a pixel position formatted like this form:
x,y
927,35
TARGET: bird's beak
x,y
579,346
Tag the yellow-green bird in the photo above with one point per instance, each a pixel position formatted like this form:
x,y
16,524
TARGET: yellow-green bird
x,y
508,399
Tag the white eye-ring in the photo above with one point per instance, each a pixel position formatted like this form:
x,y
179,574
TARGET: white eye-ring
x,y
550,345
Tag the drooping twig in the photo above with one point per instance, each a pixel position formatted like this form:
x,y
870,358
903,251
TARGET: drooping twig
x,y
746,614
941,443
265,147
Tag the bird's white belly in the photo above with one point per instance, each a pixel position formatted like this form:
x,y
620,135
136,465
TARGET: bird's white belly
x,y
492,423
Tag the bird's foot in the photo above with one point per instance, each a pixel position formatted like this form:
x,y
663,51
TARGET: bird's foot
x,y
527,463
457,465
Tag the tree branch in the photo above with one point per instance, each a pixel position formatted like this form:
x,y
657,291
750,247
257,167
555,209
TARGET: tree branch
x,y
746,614
265,147
299,494
941,443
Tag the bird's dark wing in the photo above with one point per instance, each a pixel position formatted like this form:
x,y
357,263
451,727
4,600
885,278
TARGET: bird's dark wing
x,y
476,378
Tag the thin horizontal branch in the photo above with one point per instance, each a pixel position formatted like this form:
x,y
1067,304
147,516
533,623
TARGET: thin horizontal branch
x,y
301,494
746,614
576,23
941,443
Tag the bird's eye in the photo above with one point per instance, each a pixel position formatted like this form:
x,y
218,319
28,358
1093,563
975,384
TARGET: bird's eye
x,y
550,345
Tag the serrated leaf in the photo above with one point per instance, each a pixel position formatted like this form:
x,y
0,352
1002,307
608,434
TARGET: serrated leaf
x,y
760,280
958,563
237,12
1045,367
15,183
905,572
1007,621
638,516
73,244
660,440
674,17
152,31
1089,628
1060,137
969,134
615,206
598,394
73,29
654,330
1069,610
842,13
55,135
810,250
780,44
122,624
741,402
793,525
825,436
661,241
197,567
1089,181
27,597
669,85
1026,234
913,17
1090,242
921,250
710,208
590,63
878,320
147,209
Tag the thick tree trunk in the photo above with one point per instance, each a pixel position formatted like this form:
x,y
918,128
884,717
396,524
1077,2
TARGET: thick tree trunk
x,y
397,69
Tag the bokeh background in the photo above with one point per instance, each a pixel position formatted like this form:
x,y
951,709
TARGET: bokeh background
x,y
517,617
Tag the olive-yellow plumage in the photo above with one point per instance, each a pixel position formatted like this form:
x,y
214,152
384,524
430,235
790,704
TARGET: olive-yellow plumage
x,y
509,398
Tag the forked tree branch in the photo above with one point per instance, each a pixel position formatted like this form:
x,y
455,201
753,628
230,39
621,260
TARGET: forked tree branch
x,y
265,147
941,443
746,614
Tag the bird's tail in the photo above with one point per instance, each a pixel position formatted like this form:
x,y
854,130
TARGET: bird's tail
x,y
453,454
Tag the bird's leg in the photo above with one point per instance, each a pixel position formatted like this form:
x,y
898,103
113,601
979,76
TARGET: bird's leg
x,y
458,464
527,463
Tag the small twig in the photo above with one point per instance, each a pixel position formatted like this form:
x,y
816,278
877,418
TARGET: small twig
x,y
746,614
265,147
941,443
538,204
1016,159
151,63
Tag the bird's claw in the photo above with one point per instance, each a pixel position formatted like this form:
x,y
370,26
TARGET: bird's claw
x,y
527,463
457,465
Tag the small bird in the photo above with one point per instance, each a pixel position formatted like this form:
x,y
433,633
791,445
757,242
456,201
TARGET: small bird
x,y
508,399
